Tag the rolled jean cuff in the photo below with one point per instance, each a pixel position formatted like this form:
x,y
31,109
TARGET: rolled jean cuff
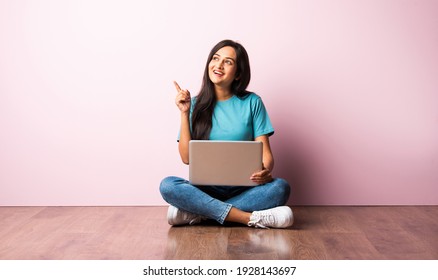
x,y
225,214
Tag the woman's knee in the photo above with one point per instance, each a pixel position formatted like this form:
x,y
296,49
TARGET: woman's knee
x,y
282,188
167,185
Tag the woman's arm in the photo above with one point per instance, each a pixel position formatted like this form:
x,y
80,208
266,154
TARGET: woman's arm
x,y
268,158
264,176
184,137
183,100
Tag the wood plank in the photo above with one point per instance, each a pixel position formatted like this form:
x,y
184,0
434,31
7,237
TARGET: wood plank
x,y
396,232
12,217
87,233
382,227
421,222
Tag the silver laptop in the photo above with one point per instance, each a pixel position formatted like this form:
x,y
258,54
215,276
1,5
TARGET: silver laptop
x,y
224,163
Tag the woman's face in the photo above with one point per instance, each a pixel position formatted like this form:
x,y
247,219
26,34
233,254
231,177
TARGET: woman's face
x,y
222,67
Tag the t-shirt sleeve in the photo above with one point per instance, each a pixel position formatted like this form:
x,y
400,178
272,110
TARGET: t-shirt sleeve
x,y
261,123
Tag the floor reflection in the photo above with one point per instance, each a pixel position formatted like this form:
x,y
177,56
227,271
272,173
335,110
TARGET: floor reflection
x,y
228,242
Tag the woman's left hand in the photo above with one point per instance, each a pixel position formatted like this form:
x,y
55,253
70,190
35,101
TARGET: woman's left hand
x,y
262,177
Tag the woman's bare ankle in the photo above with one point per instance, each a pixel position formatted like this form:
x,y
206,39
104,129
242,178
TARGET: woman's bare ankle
x,y
238,216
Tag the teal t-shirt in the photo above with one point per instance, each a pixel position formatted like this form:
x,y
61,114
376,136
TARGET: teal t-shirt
x,y
239,119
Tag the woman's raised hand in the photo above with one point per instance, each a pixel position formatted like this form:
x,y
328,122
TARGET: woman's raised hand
x,y
182,99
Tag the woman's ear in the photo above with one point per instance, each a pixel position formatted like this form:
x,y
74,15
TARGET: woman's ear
x,y
237,77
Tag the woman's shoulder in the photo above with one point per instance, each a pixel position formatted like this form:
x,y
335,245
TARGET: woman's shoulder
x,y
252,100
250,97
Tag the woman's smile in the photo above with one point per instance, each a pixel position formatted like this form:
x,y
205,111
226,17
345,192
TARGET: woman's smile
x,y
218,73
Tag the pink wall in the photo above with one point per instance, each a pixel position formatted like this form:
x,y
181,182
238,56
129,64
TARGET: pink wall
x,y
87,115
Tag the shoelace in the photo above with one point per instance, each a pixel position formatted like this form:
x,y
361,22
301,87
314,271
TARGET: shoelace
x,y
260,221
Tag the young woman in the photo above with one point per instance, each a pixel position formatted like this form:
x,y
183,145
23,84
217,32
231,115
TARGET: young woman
x,y
224,110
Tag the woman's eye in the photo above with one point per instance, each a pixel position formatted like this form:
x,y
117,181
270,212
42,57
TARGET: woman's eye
x,y
229,62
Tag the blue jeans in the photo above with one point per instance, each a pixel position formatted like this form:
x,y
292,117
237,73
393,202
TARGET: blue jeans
x,y
215,202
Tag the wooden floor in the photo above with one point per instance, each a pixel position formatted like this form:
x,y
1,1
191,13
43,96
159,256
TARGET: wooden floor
x,y
143,233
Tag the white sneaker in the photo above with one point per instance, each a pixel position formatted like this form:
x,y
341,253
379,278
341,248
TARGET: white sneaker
x,y
177,217
278,217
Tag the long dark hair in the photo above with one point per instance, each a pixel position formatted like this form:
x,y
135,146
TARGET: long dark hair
x,y
206,99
